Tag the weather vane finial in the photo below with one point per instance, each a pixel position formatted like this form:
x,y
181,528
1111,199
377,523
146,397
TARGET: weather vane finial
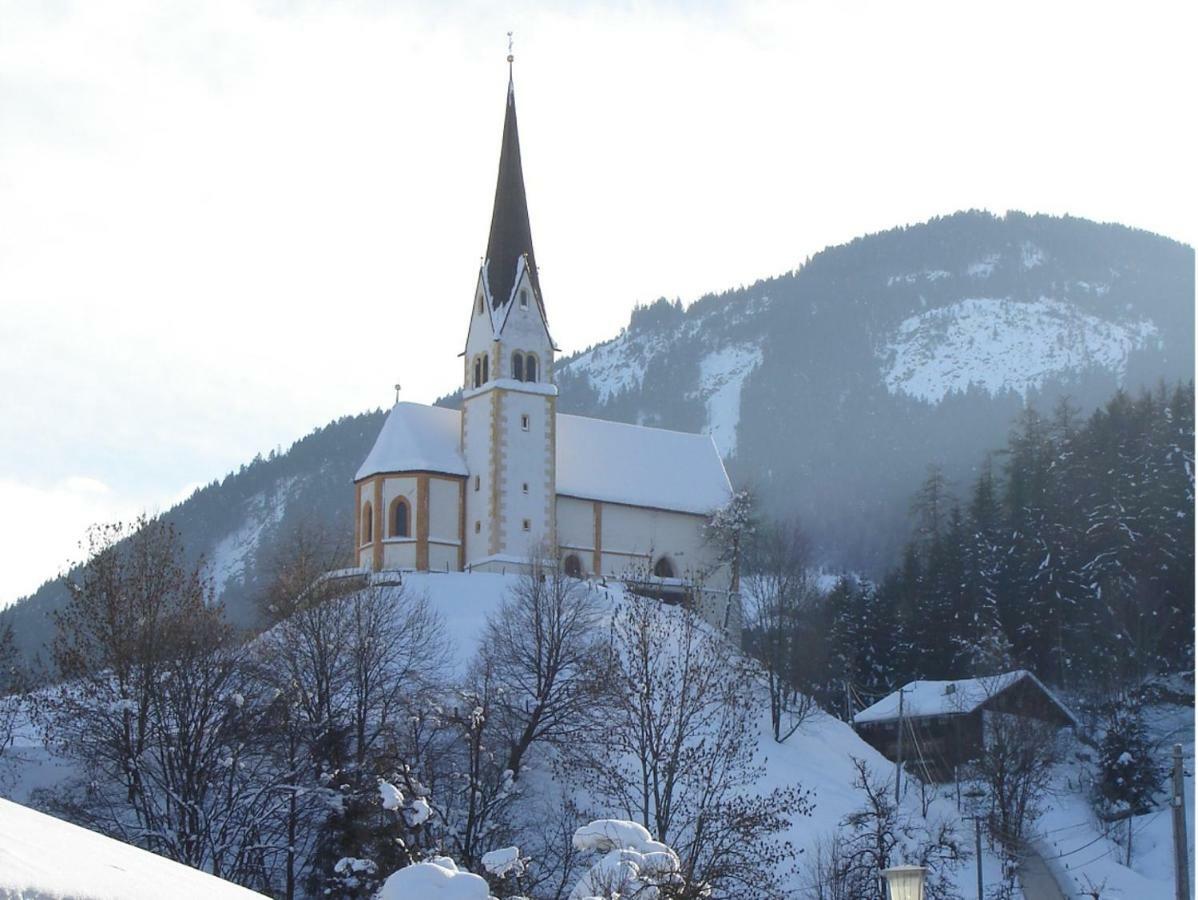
x,y
397,392
509,49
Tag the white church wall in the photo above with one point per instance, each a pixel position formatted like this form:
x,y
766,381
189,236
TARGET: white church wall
x,y
476,414
443,511
524,331
634,538
442,557
576,529
525,480
399,553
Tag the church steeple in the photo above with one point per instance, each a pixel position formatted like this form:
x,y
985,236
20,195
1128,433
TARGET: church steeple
x,y
510,240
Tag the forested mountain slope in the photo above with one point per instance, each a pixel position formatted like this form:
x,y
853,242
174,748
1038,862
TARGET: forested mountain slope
x,y
829,388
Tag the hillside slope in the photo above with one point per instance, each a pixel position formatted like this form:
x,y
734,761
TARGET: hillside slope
x,y
829,389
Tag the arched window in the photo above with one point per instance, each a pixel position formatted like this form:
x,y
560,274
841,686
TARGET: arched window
x,y
401,518
367,523
478,371
530,368
480,305
572,566
486,374
663,568
518,366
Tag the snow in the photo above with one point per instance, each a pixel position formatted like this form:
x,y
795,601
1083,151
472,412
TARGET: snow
x,y
236,549
1030,255
417,438
721,376
44,857
437,879
630,853
912,277
940,698
503,862
618,463
985,268
391,797
1002,344
418,812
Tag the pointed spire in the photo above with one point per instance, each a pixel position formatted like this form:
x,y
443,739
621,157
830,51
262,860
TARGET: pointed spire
x,y
511,234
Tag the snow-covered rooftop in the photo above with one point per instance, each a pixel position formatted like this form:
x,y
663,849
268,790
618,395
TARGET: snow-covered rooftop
x,y
946,698
41,856
417,438
596,459
640,466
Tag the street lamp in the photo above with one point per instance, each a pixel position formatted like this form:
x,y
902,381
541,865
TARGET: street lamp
x,y
905,882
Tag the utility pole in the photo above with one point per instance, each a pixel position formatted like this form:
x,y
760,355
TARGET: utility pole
x,y
898,765
977,851
1181,847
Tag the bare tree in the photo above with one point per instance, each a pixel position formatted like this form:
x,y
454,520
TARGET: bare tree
x,y
877,835
546,657
156,706
678,751
13,685
1015,765
781,600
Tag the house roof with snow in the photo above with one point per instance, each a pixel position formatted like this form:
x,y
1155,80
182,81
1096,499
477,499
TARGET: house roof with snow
x,y
41,856
923,699
595,459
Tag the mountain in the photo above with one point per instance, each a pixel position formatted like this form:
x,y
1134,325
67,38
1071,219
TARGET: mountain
x,y
829,389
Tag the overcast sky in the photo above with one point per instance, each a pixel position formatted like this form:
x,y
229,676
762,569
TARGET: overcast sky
x,y
223,223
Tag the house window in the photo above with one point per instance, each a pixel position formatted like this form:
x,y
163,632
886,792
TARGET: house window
x,y
486,374
518,366
663,568
528,525
524,298
401,516
367,523
479,311
526,487
530,368
478,526
476,482
573,566
524,422
478,372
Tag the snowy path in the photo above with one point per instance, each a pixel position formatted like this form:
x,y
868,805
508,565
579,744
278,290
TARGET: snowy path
x,y
1036,878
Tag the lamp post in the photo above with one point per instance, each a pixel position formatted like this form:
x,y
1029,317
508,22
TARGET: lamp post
x,y
905,882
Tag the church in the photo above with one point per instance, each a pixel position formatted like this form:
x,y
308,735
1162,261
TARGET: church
x,y
507,478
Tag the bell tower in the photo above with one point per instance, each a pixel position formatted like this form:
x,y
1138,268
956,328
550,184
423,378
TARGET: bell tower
x,y
509,400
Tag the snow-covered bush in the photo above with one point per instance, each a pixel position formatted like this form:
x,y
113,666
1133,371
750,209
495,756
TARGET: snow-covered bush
x,y
436,879
632,866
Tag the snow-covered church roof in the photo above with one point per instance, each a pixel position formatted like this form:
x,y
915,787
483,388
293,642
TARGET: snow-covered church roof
x,y
950,698
618,463
596,460
417,438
